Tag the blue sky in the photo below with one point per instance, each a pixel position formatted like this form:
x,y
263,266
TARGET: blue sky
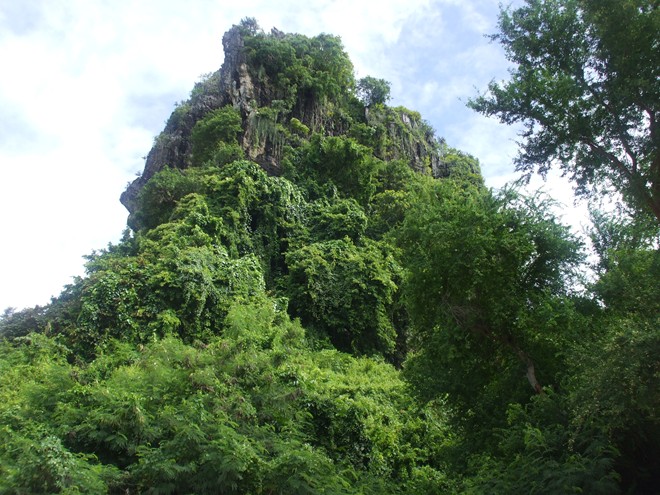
x,y
87,84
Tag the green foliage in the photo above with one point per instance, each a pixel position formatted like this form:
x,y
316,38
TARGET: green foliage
x,y
462,165
508,245
249,26
586,88
399,134
314,67
339,219
19,323
179,116
214,137
373,91
388,211
536,454
174,365
615,395
179,279
298,127
344,163
485,284
630,284
614,383
159,197
261,213
33,457
345,291
239,414
395,185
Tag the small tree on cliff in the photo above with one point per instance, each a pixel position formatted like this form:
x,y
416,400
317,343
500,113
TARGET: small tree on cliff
x,y
372,91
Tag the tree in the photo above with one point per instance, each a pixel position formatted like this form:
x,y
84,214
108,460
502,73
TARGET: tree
x,y
373,91
217,133
485,286
586,88
249,26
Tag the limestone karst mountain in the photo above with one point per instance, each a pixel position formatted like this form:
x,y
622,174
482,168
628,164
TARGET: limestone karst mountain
x,y
316,295
279,81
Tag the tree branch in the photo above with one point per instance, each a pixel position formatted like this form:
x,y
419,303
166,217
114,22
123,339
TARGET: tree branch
x,y
623,169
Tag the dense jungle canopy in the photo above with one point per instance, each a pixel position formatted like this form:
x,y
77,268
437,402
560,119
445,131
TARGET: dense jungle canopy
x,y
317,295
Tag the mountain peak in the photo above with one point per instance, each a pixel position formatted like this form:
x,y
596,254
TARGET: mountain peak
x,y
287,87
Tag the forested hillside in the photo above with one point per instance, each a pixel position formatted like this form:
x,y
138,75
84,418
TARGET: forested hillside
x,y
316,294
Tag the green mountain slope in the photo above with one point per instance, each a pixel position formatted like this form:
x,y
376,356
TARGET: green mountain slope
x,y
317,295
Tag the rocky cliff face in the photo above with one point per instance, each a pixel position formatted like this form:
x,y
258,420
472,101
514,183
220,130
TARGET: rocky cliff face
x,y
172,147
250,84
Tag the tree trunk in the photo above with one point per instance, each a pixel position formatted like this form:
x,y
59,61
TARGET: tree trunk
x,y
531,377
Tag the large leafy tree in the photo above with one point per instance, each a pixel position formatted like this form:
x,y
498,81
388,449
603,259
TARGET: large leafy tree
x,y
485,286
585,86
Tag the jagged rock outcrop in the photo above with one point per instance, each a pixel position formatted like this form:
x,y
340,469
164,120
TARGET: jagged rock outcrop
x,y
408,138
172,147
266,104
